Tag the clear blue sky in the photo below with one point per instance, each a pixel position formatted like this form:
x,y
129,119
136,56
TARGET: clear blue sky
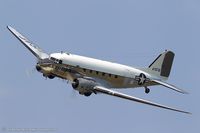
x,y
131,32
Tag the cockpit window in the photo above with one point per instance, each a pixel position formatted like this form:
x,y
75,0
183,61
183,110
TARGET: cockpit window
x,y
56,60
52,58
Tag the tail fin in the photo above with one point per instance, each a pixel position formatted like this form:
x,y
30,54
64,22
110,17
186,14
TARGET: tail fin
x,y
161,66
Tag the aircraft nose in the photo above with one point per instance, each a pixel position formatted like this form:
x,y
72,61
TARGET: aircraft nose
x,y
38,68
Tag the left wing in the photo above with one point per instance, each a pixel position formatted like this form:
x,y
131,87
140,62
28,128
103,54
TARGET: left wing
x,y
124,96
29,45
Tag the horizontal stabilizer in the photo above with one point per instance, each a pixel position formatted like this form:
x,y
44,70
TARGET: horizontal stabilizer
x,y
169,86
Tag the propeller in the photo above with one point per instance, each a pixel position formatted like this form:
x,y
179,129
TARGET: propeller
x,y
73,93
29,72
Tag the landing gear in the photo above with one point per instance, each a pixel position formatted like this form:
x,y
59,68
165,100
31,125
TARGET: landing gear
x,y
51,76
147,90
87,94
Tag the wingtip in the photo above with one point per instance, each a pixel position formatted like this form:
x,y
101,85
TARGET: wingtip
x,y
189,113
184,92
185,112
9,27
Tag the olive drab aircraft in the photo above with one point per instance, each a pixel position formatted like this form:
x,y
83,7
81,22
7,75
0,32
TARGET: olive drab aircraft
x,y
93,76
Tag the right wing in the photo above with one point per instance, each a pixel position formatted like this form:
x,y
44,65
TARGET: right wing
x,y
29,45
124,96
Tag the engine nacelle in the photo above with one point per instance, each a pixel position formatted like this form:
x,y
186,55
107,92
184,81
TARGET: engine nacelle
x,y
84,86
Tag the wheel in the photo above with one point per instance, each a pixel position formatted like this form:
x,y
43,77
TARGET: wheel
x,y
87,94
147,90
51,76
44,75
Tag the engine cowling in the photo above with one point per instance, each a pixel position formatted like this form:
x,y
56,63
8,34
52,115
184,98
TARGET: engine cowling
x,y
84,86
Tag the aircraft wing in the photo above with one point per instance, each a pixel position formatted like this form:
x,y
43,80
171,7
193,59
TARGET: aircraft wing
x,y
169,86
29,45
128,97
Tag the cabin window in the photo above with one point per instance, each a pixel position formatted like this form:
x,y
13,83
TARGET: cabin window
x,y
52,58
90,71
110,75
60,61
56,60
103,74
84,69
97,72
116,76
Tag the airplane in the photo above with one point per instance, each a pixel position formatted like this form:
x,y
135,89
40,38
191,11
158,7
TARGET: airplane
x,y
93,76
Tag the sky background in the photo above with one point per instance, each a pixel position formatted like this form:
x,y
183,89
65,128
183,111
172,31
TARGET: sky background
x,y
131,32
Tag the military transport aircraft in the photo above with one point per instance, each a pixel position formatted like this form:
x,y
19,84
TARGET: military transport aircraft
x,y
89,75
